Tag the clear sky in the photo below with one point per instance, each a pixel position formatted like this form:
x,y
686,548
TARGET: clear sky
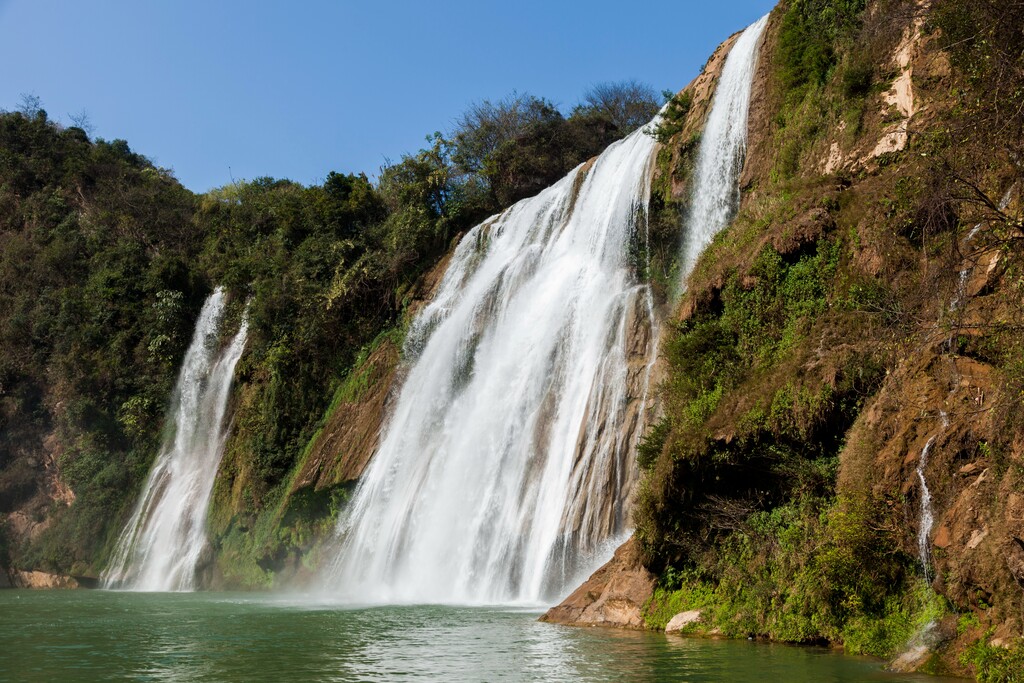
x,y
217,90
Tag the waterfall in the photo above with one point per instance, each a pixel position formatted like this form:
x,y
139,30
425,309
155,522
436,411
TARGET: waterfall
x,y
723,145
965,272
924,528
506,467
161,545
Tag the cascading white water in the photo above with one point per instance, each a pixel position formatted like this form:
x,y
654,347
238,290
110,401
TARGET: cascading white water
x,y
723,147
507,464
505,457
924,528
160,547
965,272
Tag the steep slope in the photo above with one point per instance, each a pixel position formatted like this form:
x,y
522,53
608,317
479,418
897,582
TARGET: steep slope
x,y
864,303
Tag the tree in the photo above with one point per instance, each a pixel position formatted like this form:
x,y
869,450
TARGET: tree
x,y
627,104
487,125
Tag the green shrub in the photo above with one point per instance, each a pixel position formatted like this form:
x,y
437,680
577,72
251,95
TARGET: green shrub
x,y
993,664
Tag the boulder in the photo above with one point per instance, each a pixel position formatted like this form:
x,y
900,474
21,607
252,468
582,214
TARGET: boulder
x,y
680,621
911,660
613,596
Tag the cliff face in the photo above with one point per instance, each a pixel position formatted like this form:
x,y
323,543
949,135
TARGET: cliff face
x,y
846,362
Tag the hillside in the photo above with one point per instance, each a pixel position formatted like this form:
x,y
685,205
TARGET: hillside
x,y
836,453
105,261
854,334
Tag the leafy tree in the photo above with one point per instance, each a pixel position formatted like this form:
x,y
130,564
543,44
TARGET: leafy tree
x,y
487,125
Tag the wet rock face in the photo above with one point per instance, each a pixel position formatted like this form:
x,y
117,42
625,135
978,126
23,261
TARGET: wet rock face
x,y
613,596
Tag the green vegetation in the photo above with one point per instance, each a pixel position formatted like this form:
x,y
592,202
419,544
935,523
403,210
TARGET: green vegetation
x,y
674,117
994,664
758,504
95,311
804,574
517,146
813,34
106,259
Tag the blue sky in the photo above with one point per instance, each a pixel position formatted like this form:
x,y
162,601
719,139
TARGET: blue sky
x,y
218,90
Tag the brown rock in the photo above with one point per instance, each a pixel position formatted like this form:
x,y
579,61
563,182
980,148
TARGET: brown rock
x,y
613,596
1015,507
42,580
804,230
344,446
1014,556
970,469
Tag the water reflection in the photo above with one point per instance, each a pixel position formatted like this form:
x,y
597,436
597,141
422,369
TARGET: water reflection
x,y
88,636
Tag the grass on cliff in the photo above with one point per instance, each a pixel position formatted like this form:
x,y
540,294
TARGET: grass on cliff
x,y
995,664
808,572
284,536
785,336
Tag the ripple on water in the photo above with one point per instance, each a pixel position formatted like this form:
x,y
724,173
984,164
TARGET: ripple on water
x,y
97,635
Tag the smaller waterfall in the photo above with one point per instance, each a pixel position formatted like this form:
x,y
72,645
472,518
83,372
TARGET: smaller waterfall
x,y
716,192
924,529
965,272
161,545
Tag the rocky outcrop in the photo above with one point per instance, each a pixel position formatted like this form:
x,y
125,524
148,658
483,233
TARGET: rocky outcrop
x,y
342,449
24,518
702,92
21,579
348,439
613,596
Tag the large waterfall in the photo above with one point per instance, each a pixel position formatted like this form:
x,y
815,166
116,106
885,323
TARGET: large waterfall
x,y
507,464
161,546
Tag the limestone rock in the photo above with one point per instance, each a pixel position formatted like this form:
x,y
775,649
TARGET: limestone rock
x,y
42,580
682,620
613,596
911,660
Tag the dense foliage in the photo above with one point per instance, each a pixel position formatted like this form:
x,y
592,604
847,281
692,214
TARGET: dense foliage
x,y
812,35
105,260
97,295
521,144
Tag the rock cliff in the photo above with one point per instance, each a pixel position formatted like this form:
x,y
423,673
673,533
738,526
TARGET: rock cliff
x,y
846,363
